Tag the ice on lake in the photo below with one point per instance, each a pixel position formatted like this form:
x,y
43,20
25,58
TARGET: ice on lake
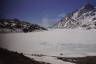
x,y
72,42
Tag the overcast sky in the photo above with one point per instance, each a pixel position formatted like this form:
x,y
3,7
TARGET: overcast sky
x,y
44,12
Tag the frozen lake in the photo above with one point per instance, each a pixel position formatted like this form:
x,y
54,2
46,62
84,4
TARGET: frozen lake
x,y
53,42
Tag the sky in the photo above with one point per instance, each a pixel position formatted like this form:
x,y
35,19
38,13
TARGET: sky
x,y
42,12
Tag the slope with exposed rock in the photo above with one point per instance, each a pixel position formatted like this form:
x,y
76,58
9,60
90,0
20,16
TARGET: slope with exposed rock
x,y
15,25
84,17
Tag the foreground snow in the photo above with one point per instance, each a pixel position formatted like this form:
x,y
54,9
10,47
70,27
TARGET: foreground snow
x,y
49,59
53,42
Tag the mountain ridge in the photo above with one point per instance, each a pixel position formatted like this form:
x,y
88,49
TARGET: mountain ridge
x,y
85,17
15,25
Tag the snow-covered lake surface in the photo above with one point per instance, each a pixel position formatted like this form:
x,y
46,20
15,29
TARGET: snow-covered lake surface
x,y
53,42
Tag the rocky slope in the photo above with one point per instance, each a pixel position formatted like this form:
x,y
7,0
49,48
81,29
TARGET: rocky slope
x,y
15,25
9,57
85,17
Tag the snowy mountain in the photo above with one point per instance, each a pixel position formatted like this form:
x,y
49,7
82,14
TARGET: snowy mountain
x,y
15,25
85,17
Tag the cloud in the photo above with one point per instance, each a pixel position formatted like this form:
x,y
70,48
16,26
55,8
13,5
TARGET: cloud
x,y
47,22
61,15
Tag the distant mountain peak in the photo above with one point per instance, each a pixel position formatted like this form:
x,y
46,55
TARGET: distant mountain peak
x,y
88,7
85,17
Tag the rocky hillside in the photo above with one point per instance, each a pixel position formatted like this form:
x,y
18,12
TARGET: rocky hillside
x,y
85,17
15,25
